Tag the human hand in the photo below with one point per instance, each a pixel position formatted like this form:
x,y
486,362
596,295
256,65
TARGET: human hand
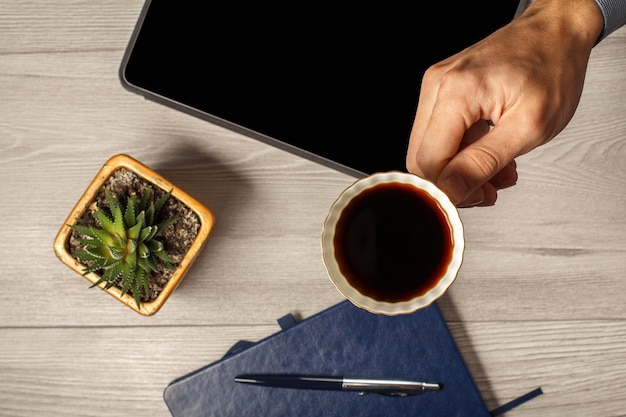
x,y
525,80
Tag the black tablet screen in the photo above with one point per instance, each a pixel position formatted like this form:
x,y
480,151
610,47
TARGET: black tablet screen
x,y
331,80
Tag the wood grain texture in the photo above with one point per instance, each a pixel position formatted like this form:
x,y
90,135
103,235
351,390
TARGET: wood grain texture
x,y
539,300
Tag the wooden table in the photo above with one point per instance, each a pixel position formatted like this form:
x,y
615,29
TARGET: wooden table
x,y
540,300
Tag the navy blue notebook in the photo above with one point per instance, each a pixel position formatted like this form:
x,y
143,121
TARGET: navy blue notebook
x,y
342,340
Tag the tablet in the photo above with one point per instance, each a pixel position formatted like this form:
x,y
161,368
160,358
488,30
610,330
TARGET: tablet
x,y
336,82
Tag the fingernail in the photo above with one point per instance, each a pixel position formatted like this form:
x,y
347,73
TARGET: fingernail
x,y
473,200
456,188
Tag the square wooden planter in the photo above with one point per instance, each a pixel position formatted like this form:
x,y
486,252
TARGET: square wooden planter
x,y
117,162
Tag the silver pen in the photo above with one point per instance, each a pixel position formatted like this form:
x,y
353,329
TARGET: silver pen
x,y
390,387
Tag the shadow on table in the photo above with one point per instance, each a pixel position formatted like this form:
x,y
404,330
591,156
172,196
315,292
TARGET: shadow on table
x,y
464,342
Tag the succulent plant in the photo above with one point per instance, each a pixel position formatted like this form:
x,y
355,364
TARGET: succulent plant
x,y
125,248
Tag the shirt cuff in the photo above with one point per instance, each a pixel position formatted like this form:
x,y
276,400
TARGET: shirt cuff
x,y
614,13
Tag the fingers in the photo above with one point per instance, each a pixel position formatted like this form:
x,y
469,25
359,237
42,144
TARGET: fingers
x,y
416,160
506,177
453,146
475,174
487,193
470,170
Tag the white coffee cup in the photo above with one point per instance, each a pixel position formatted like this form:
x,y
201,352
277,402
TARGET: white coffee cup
x,y
392,243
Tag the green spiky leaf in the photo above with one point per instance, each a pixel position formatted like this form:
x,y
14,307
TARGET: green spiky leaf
x,y
124,249
161,201
131,210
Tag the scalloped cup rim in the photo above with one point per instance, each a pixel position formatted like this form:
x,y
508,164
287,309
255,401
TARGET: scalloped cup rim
x,y
383,307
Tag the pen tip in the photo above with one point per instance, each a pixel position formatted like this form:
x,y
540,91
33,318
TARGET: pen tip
x,y
246,379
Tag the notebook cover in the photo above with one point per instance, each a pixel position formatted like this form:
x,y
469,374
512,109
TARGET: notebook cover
x,y
342,340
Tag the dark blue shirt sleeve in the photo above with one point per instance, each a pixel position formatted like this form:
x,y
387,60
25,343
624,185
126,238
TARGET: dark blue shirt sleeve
x,y
614,13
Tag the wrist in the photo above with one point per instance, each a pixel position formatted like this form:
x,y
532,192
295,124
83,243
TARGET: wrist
x,y
581,20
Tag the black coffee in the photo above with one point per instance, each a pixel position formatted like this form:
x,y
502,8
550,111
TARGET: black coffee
x,y
393,242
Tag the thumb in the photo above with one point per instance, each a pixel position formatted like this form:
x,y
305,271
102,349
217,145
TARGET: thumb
x,y
468,171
